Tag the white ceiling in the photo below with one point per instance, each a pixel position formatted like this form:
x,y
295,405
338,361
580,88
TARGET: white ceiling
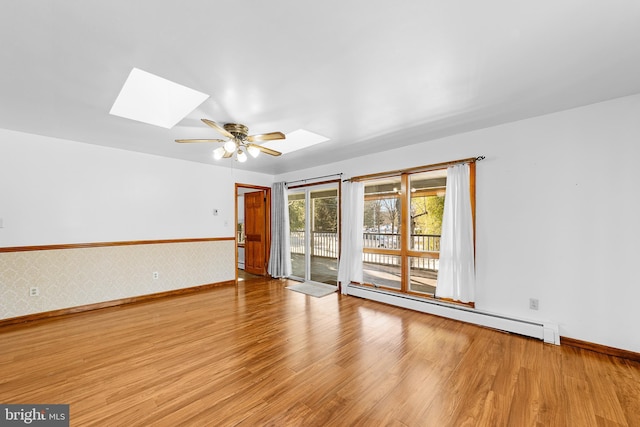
x,y
370,75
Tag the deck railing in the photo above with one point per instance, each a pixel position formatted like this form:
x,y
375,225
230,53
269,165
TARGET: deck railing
x,y
325,244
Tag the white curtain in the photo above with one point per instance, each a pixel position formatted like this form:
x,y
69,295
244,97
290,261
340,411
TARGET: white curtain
x,y
280,253
350,268
456,276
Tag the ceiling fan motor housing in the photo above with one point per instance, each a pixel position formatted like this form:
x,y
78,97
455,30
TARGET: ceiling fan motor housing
x,y
237,130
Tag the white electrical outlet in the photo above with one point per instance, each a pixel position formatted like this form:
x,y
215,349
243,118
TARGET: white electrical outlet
x,y
34,291
533,303
155,275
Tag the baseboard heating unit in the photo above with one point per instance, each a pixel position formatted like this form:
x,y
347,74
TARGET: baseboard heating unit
x,y
547,332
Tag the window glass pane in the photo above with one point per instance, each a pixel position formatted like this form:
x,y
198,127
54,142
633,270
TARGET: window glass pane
x,y
297,237
423,274
382,270
382,213
427,205
324,236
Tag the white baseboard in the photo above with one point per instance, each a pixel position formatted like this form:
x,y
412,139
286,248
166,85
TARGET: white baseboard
x,y
543,331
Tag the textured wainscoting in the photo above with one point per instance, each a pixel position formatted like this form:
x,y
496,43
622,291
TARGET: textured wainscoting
x,y
77,276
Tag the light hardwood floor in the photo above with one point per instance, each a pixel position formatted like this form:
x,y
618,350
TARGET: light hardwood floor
x,y
258,354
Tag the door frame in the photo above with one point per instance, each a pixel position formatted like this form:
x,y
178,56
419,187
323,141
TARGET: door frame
x,y
267,240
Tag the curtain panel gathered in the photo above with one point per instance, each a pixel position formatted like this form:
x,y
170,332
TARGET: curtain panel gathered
x,y
456,275
280,252
350,267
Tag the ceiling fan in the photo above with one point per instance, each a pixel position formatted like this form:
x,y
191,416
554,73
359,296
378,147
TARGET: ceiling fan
x,y
240,142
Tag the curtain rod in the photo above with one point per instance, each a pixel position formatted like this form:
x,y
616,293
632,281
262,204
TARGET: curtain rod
x,y
426,168
314,178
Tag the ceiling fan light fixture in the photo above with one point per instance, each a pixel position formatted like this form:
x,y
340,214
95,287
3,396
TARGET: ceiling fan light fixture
x,y
242,157
230,146
218,153
254,151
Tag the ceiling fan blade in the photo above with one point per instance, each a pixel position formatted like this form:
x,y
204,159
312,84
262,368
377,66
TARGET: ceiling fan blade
x,y
217,127
200,140
266,137
265,149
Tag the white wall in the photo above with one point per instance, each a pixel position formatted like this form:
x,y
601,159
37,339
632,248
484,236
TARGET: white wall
x,y
55,191
558,204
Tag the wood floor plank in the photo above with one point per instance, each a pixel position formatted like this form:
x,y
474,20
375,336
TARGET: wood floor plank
x,y
553,394
626,377
258,354
607,408
525,404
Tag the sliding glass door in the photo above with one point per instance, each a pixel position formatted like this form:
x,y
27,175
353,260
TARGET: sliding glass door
x,y
314,225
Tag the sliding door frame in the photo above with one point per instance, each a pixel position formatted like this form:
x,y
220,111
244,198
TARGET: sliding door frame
x,y
307,188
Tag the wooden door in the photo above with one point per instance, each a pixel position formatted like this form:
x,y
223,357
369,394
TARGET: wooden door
x,y
255,232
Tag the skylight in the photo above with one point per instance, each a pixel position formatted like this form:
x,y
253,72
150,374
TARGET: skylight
x,y
296,140
150,99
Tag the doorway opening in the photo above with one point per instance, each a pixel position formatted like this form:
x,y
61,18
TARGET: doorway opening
x,y
253,230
